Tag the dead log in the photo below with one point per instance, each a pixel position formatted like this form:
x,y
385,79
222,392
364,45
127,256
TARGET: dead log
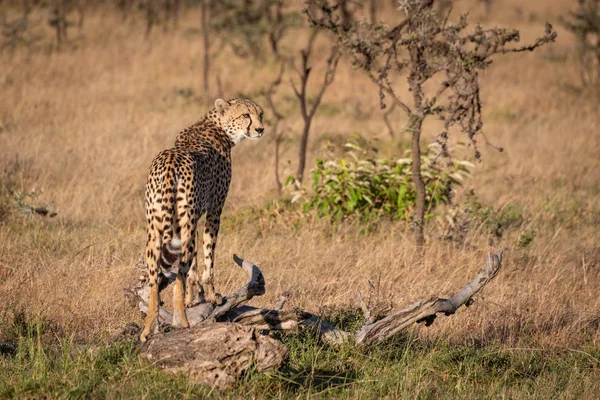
x,y
421,311
224,340
214,354
426,310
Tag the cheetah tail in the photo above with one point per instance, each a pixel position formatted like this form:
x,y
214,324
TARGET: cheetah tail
x,y
169,255
171,248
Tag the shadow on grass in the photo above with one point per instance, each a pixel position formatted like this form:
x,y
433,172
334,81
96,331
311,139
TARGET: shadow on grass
x,y
318,380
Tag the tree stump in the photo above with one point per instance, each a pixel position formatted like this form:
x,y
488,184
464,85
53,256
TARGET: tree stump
x,y
214,354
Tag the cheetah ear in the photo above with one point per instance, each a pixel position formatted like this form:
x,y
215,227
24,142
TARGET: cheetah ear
x,y
220,105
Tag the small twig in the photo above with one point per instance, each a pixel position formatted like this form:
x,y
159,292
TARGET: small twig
x,y
500,149
368,318
285,296
387,122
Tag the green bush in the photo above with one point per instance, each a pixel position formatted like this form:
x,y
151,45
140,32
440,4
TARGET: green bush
x,y
365,187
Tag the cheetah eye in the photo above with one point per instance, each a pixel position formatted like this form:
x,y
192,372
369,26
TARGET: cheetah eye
x,y
261,117
246,115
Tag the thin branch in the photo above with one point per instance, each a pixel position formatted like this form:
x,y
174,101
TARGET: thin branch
x,y
426,310
387,122
332,63
390,91
255,287
285,296
367,313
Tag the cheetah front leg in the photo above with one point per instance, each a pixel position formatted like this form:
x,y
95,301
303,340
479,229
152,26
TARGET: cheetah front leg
x,y
211,231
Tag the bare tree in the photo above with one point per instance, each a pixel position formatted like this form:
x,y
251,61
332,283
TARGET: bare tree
x,y
157,12
275,123
172,10
205,4
18,31
277,24
424,46
151,11
308,110
373,6
584,23
125,7
59,19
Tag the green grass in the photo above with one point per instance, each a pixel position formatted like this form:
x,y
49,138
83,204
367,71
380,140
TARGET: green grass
x,y
37,361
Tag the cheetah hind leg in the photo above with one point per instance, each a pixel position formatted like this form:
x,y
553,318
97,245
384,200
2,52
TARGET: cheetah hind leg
x,y
194,292
211,232
209,287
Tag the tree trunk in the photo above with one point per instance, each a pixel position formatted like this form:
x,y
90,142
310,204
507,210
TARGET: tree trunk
x,y
415,81
373,11
278,139
303,146
150,17
416,123
205,34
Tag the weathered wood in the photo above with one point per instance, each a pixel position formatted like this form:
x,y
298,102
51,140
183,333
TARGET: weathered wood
x,y
256,287
208,311
224,341
215,354
426,310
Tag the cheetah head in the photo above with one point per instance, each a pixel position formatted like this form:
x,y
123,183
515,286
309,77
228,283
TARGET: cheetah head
x,y
240,118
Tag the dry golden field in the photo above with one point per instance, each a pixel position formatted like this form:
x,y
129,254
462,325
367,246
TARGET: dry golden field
x,y
80,127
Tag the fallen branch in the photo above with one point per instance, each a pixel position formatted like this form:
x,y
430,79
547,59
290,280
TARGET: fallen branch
x,y
424,310
224,340
208,311
427,310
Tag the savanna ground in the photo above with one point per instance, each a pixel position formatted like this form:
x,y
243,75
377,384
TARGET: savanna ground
x,y
80,126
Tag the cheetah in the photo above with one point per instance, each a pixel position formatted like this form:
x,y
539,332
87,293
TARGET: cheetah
x,y
184,183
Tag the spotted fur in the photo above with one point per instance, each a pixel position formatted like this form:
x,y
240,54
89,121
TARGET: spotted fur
x,y
185,182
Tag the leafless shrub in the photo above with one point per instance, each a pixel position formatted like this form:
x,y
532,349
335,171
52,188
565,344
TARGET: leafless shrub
x,y
278,117
245,24
205,4
308,110
18,31
157,12
424,46
584,23
60,13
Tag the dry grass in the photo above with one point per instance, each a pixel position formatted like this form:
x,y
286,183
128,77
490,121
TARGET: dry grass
x,y
81,126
